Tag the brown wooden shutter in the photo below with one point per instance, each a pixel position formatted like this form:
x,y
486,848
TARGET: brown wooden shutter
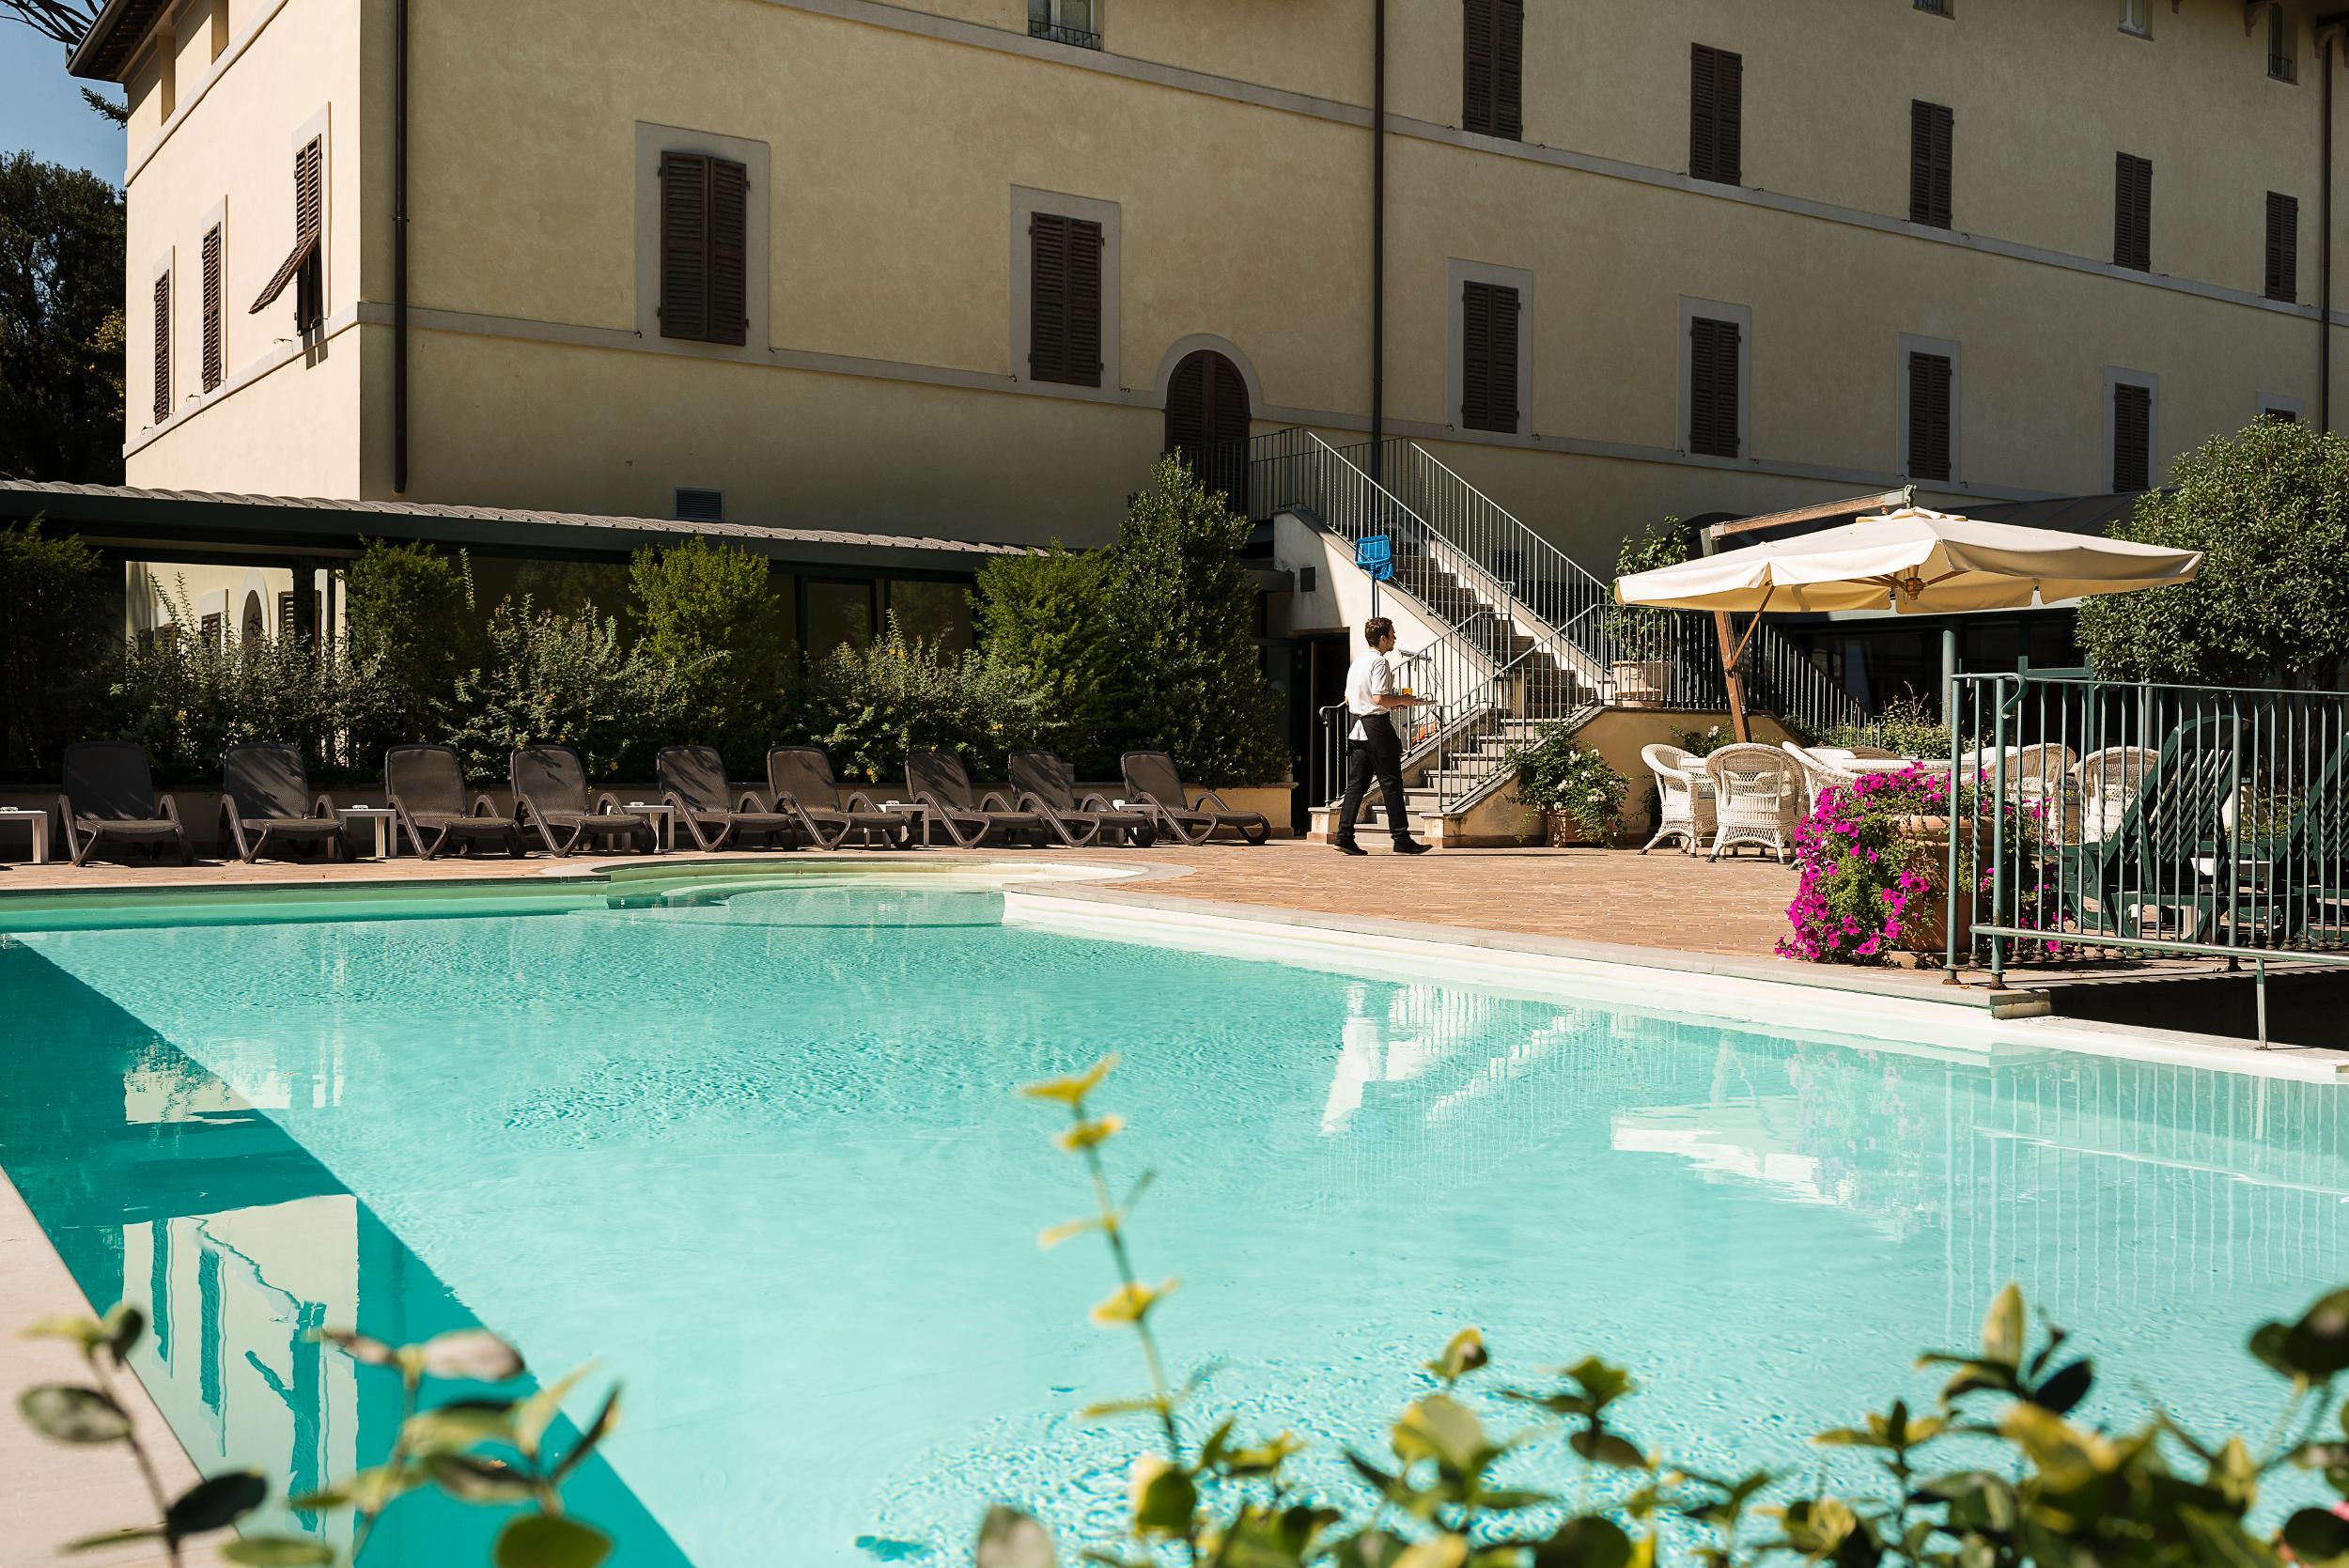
x,y
302,263
1476,66
1929,137
2132,437
685,246
1509,68
1713,387
1928,416
162,347
1488,357
1716,114
2283,246
1207,421
2133,213
1064,300
1187,406
212,355
729,249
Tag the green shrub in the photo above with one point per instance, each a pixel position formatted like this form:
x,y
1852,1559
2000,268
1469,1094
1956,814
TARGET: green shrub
x,y
412,616
2001,1473
1555,774
2269,508
710,615
1908,724
573,680
868,707
59,620
1047,613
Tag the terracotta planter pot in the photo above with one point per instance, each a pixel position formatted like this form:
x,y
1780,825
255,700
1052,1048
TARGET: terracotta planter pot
x,y
1560,832
1927,930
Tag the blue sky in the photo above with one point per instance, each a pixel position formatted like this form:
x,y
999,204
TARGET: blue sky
x,y
42,113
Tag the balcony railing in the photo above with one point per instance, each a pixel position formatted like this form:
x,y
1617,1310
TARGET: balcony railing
x,y
1052,32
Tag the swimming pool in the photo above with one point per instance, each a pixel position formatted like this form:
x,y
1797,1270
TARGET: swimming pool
x,y
754,1148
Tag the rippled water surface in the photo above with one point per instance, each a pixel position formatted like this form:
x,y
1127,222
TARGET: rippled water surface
x,y
760,1156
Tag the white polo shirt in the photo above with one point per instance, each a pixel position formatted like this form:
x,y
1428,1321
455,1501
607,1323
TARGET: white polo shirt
x,y
1370,679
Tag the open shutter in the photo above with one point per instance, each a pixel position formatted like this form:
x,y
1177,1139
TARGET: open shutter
x,y
1929,158
212,354
162,347
2283,246
729,208
310,224
685,245
1928,416
1508,69
1713,387
1702,112
1716,114
2132,437
1476,65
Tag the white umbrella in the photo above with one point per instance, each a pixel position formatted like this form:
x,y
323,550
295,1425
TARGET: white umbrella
x,y
1914,561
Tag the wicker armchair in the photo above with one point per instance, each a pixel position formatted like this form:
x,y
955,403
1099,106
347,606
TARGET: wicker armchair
x,y
1684,798
2109,780
1819,773
1757,798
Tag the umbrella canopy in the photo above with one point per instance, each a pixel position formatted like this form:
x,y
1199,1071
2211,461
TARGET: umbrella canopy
x,y
1916,561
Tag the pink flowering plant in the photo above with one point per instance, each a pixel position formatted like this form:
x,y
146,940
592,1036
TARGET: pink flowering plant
x,y
1873,862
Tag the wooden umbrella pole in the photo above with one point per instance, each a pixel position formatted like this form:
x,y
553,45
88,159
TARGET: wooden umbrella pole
x,y
1735,684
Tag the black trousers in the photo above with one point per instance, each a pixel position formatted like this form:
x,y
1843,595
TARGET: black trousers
x,y
1380,755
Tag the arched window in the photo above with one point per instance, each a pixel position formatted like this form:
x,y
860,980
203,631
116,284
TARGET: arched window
x,y
250,627
1206,421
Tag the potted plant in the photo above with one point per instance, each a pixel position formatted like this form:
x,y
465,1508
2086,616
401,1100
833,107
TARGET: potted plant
x,y
1579,795
1638,641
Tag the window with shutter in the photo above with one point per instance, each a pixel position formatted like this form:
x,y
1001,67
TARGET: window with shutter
x,y
1488,357
1064,300
1930,136
1493,66
2132,437
1929,416
285,614
304,265
705,218
2133,213
1207,420
698,504
212,352
1712,413
1716,114
162,347
2283,246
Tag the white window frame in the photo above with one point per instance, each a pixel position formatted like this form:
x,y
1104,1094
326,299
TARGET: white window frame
x,y
1025,205
2136,18
1459,274
1056,10
1717,310
652,140
2119,375
1912,344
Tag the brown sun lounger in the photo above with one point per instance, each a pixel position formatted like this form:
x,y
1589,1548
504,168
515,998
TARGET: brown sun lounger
x,y
801,780
1153,786
551,794
939,781
109,793
1044,785
265,795
426,788
693,783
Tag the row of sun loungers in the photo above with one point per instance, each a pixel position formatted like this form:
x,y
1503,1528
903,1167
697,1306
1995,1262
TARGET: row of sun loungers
x,y
268,807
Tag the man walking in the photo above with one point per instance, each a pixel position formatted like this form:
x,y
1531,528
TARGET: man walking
x,y
1373,748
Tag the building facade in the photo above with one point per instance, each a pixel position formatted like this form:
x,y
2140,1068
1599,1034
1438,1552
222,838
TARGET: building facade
x,y
963,268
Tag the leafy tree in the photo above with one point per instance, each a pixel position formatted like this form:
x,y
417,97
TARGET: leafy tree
x,y
1047,615
61,239
2269,508
1186,674
711,610
549,678
56,631
869,705
68,21
412,616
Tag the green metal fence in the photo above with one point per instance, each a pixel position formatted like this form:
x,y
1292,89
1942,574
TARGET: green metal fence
x,y
2092,819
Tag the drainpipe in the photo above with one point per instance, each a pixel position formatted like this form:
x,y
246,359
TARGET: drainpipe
x,y
1378,240
400,249
2325,257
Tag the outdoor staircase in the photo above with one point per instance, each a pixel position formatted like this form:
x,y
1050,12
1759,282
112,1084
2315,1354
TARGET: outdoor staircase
x,y
1529,636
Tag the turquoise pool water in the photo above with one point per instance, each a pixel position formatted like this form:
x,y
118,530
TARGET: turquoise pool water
x,y
756,1151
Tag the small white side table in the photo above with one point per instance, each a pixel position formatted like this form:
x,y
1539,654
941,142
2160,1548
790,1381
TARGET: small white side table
x,y
38,822
386,836
663,823
911,808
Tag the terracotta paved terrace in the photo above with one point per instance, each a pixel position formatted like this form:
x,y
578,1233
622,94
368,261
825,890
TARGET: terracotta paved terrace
x,y
1664,900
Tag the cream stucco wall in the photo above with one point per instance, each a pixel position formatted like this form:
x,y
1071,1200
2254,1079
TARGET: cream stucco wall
x,y
1229,137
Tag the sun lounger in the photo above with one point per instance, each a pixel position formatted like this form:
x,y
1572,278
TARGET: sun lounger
x,y
801,780
109,793
1044,785
426,788
551,794
2151,859
1154,787
694,784
939,781
265,795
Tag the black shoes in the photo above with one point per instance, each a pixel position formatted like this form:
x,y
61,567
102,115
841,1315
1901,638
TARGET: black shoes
x,y
1412,846
1348,847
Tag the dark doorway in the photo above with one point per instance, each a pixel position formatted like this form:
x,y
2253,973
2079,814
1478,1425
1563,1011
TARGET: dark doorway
x,y
1206,423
